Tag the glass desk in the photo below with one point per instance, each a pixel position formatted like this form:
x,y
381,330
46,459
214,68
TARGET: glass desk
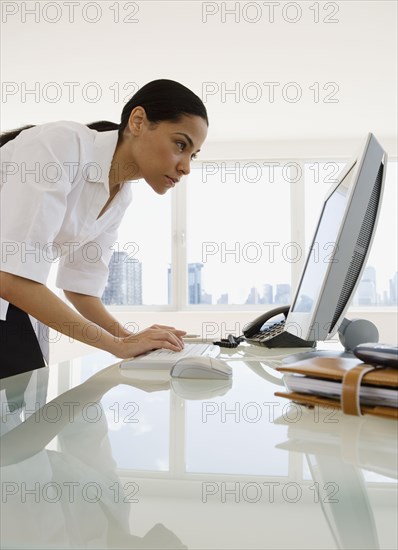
x,y
96,457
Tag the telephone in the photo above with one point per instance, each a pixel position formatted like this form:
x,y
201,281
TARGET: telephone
x,y
268,330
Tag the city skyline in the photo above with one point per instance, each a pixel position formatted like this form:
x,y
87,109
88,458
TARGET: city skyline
x,y
125,287
250,253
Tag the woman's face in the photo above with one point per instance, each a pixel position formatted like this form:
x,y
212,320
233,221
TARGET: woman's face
x,y
163,152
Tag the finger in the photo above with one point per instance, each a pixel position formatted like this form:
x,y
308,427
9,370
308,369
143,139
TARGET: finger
x,y
173,329
177,332
169,337
137,346
170,345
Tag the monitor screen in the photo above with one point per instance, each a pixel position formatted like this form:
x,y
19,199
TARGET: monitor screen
x,y
340,246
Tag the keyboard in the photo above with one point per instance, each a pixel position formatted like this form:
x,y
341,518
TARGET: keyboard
x,y
166,359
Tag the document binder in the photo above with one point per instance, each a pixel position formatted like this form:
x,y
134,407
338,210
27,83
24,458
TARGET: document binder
x,y
352,375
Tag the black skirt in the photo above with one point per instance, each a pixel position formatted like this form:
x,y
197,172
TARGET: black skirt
x,y
19,348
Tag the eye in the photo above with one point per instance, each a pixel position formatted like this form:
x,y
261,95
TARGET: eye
x,y
182,145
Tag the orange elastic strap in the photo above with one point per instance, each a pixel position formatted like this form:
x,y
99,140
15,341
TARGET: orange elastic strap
x,y
351,388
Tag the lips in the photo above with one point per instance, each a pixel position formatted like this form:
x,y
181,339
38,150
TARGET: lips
x,y
173,181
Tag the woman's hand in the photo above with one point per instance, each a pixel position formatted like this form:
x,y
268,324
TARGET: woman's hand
x,y
154,337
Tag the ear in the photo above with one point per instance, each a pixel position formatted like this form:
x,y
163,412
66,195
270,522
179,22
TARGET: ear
x,y
137,120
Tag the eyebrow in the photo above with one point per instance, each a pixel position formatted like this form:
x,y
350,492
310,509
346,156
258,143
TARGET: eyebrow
x,y
189,140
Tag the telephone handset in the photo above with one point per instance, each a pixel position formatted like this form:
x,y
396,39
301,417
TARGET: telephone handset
x,y
269,330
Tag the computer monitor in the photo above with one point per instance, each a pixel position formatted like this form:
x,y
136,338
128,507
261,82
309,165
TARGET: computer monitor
x,y
340,247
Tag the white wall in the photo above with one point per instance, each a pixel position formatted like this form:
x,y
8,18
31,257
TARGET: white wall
x,y
344,66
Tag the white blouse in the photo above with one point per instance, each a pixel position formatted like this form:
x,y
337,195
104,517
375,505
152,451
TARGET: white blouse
x,y
54,184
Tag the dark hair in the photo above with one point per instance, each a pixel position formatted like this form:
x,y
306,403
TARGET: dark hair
x,y
162,100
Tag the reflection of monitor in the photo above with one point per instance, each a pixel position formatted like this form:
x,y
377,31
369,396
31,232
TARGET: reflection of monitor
x,y
340,246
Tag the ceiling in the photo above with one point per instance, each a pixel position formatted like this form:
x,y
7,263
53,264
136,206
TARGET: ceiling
x,y
335,79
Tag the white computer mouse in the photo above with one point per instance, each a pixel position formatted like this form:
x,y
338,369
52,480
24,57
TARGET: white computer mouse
x,y
200,368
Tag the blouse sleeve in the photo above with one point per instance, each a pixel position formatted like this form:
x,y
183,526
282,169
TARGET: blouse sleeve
x,y
35,181
85,269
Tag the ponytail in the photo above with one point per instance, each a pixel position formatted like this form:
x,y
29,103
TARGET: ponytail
x,y
12,134
103,126
100,126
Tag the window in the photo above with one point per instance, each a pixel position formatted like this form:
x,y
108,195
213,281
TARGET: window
x,y
235,234
239,246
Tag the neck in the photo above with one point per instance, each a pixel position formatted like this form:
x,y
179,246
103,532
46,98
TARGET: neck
x,y
123,167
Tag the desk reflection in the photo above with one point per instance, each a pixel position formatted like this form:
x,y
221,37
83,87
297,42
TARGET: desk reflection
x,y
338,447
71,497
133,459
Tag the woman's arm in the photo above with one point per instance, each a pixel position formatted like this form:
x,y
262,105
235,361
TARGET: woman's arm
x,y
37,300
93,309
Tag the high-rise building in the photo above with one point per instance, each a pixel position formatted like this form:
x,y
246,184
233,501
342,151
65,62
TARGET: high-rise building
x,y
223,299
133,281
206,298
267,294
254,296
282,295
195,283
366,294
124,286
196,294
394,290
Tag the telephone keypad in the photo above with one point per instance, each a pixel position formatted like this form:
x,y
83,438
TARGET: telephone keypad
x,y
270,332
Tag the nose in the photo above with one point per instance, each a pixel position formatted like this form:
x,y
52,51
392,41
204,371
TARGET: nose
x,y
184,166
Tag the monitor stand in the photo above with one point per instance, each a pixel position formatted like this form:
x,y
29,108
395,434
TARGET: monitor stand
x,y
351,334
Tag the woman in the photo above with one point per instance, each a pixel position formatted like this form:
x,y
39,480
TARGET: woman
x,y
64,194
